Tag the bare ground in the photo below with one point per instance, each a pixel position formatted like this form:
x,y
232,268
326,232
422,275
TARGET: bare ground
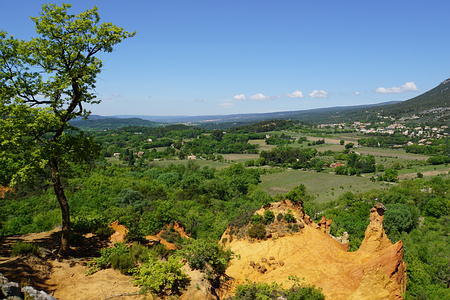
x,y
65,278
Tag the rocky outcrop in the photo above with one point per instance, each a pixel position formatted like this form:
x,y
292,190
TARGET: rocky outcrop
x,y
12,291
375,271
324,225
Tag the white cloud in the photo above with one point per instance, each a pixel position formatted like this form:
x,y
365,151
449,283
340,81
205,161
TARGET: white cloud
x,y
407,87
259,97
357,93
318,94
239,97
226,104
296,94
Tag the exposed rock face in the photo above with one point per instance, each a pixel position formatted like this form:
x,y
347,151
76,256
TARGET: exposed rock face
x,y
120,233
324,225
375,271
175,227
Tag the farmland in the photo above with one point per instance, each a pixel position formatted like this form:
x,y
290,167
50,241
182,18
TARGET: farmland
x,y
324,186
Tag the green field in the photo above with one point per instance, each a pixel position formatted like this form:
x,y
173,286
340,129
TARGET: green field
x,y
262,146
240,157
324,186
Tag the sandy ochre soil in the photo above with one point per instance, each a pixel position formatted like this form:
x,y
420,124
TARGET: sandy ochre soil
x,y
375,271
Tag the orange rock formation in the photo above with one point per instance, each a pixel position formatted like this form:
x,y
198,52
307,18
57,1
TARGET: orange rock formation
x,y
159,239
4,190
375,271
120,232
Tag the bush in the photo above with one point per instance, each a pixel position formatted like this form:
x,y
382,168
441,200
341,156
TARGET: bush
x,y
280,217
257,219
439,159
269,217
341,170
257,231
162,277
121,258
289,217
22,248
122,262
437,207
398,218
349,145
390,175
265,291
89,224
206,256
294,227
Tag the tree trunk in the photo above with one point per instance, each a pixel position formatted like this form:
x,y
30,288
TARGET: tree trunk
x,y
64,205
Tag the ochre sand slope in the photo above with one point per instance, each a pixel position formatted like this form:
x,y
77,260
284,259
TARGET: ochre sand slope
x,y
375,271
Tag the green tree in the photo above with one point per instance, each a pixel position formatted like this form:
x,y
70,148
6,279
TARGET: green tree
x,y
45,83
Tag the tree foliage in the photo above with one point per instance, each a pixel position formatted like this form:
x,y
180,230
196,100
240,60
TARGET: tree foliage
x,y
44,83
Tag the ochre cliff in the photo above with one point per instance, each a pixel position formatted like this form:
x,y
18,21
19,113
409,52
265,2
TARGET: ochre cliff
x,y
375,271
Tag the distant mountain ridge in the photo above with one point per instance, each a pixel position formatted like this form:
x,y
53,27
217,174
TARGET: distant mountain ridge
x,y
304,115
96,122
431,106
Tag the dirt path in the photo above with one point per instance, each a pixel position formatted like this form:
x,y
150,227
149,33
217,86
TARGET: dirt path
x,y
65,279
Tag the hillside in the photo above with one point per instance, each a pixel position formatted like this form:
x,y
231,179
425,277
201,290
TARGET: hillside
x,y
431,105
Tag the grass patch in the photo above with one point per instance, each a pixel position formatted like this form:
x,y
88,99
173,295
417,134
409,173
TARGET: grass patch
x,y
23,248
324,186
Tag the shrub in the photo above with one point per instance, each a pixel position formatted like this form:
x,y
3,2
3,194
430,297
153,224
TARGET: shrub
x,y
349,145
269,217
390,175
162,277
341,170
171,236
289,217
257,219
437,207
398,218
22,248
122,262
280,217
294,227
298,194
89,224
266,291
206,256
257,231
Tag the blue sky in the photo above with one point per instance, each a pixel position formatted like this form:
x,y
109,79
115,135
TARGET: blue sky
x,y
222,57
